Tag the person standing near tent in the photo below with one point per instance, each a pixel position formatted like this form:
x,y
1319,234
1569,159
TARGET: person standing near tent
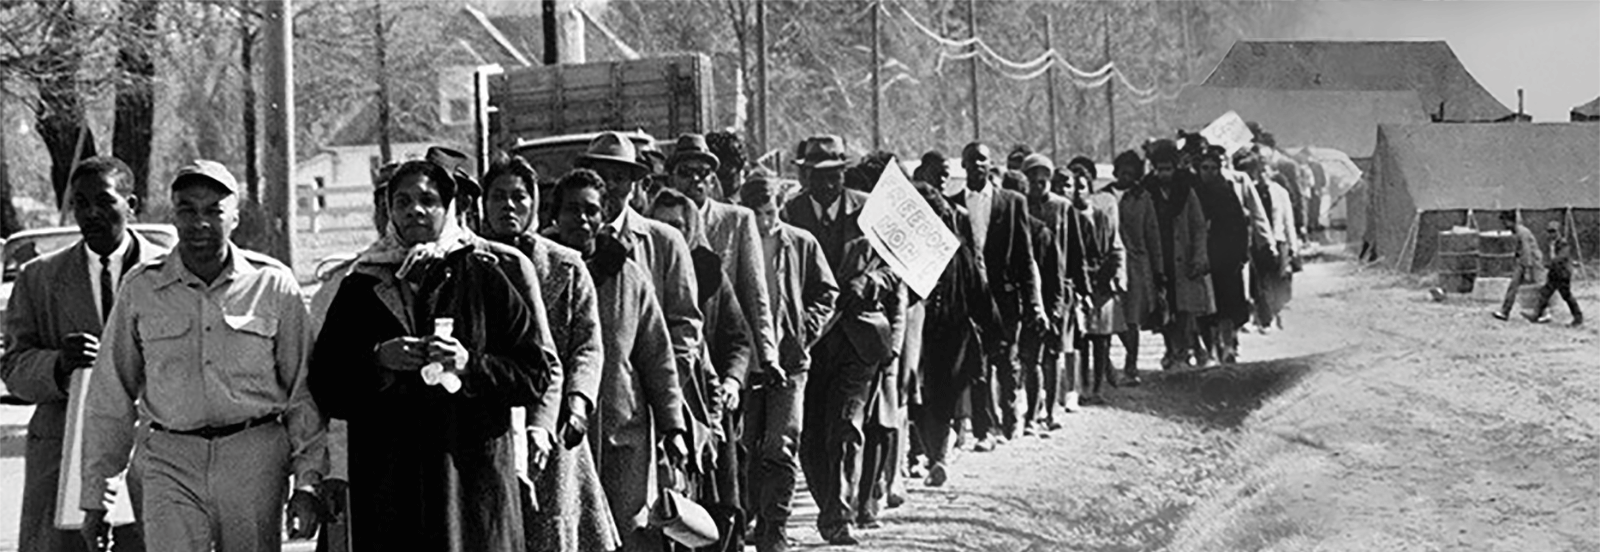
x,y
1558,277
1528,261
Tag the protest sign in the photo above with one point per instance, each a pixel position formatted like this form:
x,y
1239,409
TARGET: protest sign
x,y
69,512
1228,131
906,232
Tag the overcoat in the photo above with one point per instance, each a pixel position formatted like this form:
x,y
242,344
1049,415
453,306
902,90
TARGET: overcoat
x,y
51,299
640,399
1141,245
1185,258
573,514
436,469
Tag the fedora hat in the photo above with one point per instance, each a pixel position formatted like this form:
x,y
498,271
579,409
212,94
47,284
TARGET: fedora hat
x,y
454,163
1037,161
692,146
825,151
611,147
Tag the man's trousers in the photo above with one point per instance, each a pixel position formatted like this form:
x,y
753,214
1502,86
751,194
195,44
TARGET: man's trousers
x,y
228,491
832,435
772,417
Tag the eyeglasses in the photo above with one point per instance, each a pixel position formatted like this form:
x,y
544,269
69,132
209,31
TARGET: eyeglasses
x,y
691,173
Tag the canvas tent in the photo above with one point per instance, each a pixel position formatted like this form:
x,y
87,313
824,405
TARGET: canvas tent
x,y
1589,112
1343,120
1428,178
1447,90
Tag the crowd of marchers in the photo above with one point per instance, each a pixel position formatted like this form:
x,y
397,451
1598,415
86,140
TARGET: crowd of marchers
x,y
588,361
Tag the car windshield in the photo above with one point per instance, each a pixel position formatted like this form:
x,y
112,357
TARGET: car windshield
x,y
20,250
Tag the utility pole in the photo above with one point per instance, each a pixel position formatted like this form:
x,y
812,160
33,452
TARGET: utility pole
x,y
972,70
762,145
277,158
877,80
1050,86
1111,89
380,43
547,11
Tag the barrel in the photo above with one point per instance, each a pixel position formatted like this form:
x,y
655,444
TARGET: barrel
x,y
1497,253
1457,259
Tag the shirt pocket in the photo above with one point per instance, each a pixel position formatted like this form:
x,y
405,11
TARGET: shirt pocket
x,y
162,337
248,359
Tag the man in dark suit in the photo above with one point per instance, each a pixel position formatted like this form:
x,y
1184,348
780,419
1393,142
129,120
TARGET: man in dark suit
x,y
1005,246
56,315
825,208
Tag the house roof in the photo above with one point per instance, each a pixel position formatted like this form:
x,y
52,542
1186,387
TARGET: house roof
x,y
1504,166
1342,120
1448,91
362,129
1587,112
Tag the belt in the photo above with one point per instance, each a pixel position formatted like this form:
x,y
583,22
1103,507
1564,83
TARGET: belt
x,y
217,432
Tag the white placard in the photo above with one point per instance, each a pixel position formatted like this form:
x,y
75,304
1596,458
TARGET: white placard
x,y
69,489
906,232
1228,131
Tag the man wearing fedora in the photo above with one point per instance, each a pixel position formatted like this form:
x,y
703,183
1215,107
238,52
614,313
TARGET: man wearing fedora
x,y
732,233
660,249
824,207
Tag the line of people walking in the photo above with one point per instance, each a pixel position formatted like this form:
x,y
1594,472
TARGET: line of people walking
x,y
521,362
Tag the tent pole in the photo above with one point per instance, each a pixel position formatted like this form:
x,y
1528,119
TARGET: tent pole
x,y
1411,239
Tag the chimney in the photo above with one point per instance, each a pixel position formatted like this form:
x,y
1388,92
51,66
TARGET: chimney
x,y
1519,104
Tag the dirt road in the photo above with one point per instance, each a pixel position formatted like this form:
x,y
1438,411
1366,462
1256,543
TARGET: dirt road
x,y
1378,420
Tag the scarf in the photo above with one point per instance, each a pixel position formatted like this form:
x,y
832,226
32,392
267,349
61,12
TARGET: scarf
x,y
407,262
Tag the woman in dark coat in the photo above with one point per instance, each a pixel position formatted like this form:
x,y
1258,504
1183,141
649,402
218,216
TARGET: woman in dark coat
x,y
961,328
431,462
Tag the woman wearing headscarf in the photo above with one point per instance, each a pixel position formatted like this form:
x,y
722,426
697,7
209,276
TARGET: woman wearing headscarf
x,y
573,515
432,339
712,391
640,405
961,330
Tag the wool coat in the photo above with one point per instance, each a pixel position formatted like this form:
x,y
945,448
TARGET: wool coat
x,y
1185,258
640,399
436,470
51,299
573,514
1142,247
733,234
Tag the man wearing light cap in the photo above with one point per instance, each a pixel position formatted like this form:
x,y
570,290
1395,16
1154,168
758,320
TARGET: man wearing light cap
x,y
208,344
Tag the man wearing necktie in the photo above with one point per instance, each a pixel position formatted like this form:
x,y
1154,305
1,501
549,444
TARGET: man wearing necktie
x,y
825,208
54,321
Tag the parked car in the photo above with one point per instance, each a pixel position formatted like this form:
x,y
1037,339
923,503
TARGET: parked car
x,y
24,246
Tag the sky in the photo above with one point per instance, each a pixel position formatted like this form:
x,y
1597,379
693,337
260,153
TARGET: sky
x,y
1549,48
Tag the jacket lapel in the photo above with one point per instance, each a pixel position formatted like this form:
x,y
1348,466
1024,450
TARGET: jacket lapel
x,y
388,292
76,294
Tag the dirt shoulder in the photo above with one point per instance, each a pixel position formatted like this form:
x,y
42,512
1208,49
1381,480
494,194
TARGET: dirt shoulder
x,y
1379,420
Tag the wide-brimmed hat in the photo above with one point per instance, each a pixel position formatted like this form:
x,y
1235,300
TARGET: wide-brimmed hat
x,y
455,164
692,146
611,147
825,151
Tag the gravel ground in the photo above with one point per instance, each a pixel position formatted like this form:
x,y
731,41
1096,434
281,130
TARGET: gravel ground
x,y
1379,420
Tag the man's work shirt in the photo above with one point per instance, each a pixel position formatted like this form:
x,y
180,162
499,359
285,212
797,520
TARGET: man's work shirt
x,y
193,355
